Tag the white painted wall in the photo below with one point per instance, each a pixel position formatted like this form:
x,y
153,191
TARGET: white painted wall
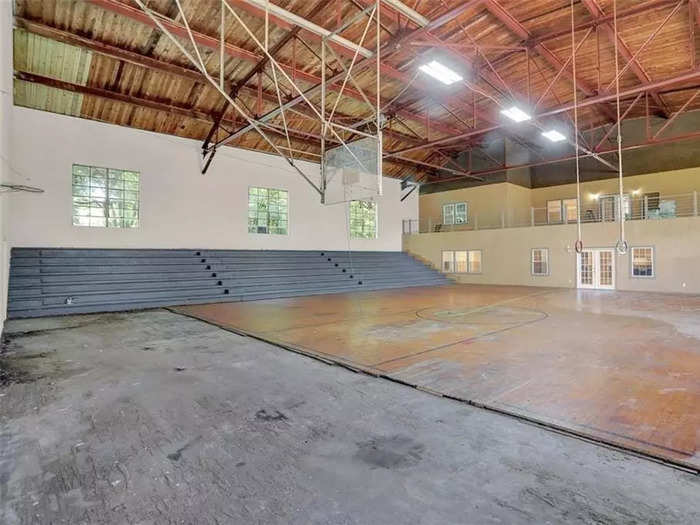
x,y
180,208
5,131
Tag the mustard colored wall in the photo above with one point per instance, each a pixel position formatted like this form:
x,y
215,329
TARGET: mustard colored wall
x,y
666,183
506,253
490,200
484,202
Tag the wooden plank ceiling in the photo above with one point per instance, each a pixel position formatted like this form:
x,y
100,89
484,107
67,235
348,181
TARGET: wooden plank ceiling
x,y
104,60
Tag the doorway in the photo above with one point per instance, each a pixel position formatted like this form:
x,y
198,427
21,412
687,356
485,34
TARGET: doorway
x,y
596,269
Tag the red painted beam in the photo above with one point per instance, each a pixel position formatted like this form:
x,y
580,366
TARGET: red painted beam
x,y
630,147
692,75
519,30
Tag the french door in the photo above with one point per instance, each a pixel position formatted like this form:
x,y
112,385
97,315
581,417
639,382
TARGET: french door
x,y
596,269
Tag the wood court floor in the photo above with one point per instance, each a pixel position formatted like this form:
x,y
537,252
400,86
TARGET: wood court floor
x,y
618,367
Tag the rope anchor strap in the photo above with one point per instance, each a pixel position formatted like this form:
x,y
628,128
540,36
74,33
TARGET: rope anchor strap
x,y
579,242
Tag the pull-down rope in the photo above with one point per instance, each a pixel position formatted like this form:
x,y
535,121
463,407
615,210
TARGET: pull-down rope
x,y
622,242
579,242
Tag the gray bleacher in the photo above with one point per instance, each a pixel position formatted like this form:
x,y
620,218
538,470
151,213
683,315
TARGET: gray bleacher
x,y
52,281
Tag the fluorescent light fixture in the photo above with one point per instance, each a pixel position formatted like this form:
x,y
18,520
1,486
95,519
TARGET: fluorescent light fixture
x,y
440,72
516,114
553,135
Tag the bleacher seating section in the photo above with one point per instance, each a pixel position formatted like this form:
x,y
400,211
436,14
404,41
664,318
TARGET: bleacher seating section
x,y
64,281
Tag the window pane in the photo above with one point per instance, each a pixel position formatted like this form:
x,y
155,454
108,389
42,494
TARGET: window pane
x,y
554,211
448,214
570,209
448,262
363,220
267,211
643,262
461,213
475,261
461,262
99,198
540,261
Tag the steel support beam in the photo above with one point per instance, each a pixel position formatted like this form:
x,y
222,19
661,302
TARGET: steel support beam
x,y
359,66
692,75
160,66
541,49
119,7
612,150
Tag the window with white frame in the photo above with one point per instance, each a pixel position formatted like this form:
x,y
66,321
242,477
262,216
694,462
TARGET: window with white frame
x,y
448,262
540,261
455,213
268,211
554,213
461,261
642,261
570,207
609,205
474,261
105,197
562,210
363,220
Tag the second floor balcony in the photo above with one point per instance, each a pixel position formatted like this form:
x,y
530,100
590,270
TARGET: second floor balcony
x,y
604,208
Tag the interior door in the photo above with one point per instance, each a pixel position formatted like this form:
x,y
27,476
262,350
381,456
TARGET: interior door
x,y
596,269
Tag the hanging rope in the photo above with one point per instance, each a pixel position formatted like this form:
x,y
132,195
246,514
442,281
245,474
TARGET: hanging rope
x,y
622,242
579,242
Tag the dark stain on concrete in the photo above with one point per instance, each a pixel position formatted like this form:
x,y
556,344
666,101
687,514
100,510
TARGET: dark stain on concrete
x,y
390,452
175,456
272,415
10,373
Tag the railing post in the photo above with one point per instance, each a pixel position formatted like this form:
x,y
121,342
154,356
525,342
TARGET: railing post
x,y
645,207
532,216
503,219
695,203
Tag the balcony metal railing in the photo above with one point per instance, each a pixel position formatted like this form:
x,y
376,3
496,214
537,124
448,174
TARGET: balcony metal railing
x,y
605,209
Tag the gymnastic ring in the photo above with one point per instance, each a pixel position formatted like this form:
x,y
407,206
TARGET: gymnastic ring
x,y
578,246
622,247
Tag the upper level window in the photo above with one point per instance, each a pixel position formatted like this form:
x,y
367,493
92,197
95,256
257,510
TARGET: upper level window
x,y
562,210
455,213
268,211
642,261
539,260
105,197
609,205
363,219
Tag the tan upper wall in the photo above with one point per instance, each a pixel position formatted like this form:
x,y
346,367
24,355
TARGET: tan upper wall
x,y
666,183
490,200
485,202
506,253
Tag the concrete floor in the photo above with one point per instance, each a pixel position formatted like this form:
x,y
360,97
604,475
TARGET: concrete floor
x,y
152,417
618,367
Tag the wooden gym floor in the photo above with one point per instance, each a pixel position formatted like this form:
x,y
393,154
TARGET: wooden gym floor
x,y
622,368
